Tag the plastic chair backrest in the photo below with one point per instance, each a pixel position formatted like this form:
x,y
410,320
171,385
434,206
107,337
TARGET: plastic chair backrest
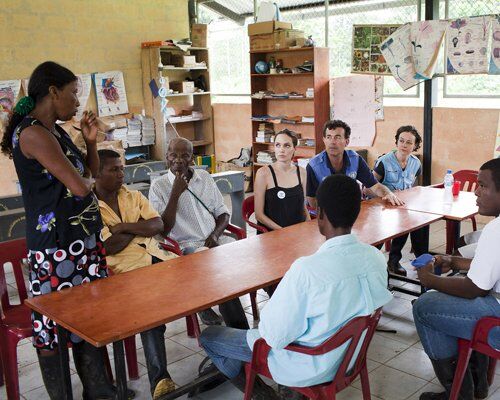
x,y
468,179
480,337
13,251
247,209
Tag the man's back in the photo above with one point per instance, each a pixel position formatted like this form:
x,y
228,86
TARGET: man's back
x,y
318,295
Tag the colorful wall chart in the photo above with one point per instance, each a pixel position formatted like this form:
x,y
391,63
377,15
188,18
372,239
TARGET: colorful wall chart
x,y
9,91
397,52
353,102
426,38
467,45
495,46
366,55
110,93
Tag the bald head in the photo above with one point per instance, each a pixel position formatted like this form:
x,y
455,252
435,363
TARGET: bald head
x,y
179,155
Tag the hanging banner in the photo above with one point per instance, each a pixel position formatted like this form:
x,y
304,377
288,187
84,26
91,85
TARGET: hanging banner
x,y
467,45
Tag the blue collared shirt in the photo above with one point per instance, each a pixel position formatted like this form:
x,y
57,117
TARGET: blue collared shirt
x,y
344,279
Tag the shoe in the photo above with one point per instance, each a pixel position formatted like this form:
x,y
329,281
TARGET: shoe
x,y
51,375
396,268
479,368
163,387
209,317
445,372
207,367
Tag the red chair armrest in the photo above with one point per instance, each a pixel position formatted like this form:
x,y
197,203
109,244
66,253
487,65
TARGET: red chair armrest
x,y
171,245
240,233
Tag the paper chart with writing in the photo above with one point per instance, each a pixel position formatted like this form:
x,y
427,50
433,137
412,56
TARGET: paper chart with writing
x,y
467,45
353,103
84,85
496,153
426,38
110,93
379,98
398,55
366,55
495,46
9,91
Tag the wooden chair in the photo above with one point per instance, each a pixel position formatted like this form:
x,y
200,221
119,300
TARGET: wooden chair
x,y
479,342
351,332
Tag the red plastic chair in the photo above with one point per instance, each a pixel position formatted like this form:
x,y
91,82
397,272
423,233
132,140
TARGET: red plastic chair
x,y
171,245
352,332
468,183
247,209
478,343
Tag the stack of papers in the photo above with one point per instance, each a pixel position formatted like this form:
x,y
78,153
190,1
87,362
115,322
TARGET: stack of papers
x,y
120,134
148,130
134,132
266,157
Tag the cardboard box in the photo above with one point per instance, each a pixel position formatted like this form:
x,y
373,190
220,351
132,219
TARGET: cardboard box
x,y
261,28
281,39
199,35
183,87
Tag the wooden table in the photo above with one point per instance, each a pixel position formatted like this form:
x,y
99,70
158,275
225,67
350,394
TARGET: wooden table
x,y
115,308
431,200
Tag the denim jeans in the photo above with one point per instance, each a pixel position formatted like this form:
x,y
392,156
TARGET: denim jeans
x,y
227,348
442,319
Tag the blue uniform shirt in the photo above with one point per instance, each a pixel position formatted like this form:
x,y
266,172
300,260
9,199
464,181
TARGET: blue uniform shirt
x,y
344,279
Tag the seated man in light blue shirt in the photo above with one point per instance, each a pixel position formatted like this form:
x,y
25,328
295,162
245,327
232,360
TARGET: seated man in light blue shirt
x,y
320,293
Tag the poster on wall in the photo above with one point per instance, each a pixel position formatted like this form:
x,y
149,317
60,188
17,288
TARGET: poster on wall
x,y
9,92
366,55
467,45
84,85
110,93
379,98
495,46
496,153
353,103
397,52
426,38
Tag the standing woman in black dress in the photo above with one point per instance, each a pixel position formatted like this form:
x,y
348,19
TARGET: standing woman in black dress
x,y
63,223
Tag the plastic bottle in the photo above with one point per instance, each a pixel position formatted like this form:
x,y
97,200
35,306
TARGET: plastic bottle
x,y
448,187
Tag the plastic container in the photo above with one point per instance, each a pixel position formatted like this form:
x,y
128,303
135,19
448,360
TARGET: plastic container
x,y
448,187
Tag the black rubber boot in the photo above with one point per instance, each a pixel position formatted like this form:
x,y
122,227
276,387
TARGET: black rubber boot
x,y
233,314
395,267
52,375
261,391
478,365
445,372
153,343
89,362
209,317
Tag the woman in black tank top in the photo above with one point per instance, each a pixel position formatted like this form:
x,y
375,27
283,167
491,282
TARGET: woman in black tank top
x,y
278,206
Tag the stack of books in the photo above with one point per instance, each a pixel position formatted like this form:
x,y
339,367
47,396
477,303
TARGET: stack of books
x,y
308,119
306,142
134,132
148,130
265,133
266,157
121,134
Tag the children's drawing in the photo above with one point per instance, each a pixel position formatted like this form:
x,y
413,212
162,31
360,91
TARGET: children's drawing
x,y
467,45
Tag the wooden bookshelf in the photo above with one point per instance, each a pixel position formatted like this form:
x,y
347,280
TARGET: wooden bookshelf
x,y
319,106
198,130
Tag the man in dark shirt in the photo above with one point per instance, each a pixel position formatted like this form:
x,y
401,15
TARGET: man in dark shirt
x,y
335,159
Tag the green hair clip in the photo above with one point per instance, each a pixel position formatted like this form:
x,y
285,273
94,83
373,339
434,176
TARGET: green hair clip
x,y
25,105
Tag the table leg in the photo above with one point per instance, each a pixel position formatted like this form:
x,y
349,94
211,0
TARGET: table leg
x,y
62,340
121,375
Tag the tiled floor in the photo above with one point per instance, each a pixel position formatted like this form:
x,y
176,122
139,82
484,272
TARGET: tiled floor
x,y
398,367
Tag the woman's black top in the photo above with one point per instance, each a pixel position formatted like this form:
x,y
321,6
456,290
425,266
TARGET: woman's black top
x,y
285,206
54,216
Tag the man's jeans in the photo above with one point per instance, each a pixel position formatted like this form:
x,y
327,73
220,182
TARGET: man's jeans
x,y
227,348
441,319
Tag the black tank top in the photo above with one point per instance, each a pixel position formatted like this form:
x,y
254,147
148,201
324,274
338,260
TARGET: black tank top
x,y
54,216
285,206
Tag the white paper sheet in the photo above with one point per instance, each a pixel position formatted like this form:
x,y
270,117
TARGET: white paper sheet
x,y
84,86
398,55
426,38
353,103
110,93
379,98
495,46
467,42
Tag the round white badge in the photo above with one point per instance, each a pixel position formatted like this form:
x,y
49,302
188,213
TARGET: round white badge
x,y
281,194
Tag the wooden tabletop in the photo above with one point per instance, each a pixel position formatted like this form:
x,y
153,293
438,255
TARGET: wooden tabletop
x,y
111,309
431,200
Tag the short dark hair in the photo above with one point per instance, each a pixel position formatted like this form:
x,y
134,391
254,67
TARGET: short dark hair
x,y
339,197
337,123
413,131
493,166
292,135
106,154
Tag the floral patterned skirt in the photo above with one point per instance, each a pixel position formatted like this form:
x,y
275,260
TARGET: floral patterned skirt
x,y
59,268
